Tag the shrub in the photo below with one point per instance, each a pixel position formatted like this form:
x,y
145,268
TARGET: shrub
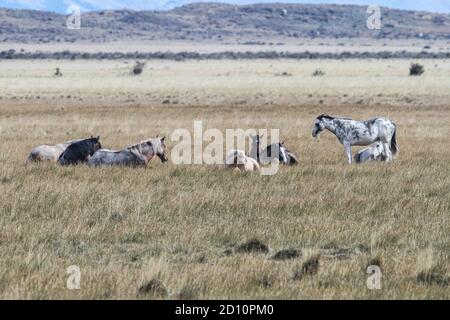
x,y
58,73
253,245
138,68
318,73
283,74
416,69
310,267
433,276
154,288
286,254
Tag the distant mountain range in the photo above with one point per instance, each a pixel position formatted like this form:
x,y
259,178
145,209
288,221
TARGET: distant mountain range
x,y
60,6
222,23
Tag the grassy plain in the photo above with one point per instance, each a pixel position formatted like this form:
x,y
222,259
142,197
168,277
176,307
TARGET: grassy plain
x,y
182,224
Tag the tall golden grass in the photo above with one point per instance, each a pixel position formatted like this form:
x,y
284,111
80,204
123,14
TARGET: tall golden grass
x,y
180,225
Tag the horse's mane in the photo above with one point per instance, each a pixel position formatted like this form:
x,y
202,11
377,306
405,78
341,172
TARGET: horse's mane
x,y
71,141
326,116
156,143
83,141
371,121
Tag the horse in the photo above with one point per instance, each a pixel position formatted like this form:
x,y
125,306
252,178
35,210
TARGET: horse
x,y
284,156
374,152
360,133
80,151
134,156
49,152
239,160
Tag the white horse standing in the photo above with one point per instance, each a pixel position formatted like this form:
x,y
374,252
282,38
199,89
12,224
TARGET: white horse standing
x,y
360,133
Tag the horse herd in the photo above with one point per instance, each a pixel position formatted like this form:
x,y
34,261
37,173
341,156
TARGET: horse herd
x,y
379,134
90,151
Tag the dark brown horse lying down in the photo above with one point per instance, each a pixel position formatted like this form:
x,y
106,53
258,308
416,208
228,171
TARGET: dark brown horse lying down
x,y
80,151
136,155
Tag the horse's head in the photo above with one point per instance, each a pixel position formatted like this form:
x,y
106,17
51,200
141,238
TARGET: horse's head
x,y
378,150
319,124
255,146
277,151
152,147
160,149
96,145
283,157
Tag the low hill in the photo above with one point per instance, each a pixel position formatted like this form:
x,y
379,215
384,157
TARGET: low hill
x,y
222,23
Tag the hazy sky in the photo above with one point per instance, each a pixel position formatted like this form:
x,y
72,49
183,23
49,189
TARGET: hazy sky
x,y
61,5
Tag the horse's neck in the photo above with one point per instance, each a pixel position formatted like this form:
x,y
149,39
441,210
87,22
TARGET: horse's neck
x,y
137,153
330,125
256,150
148,153
61,146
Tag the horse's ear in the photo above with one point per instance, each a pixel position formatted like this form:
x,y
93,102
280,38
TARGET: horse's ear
x,y
92,137
98,137
163,138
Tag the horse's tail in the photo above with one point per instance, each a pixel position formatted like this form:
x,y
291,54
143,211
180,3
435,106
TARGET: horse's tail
x,y
61,159
358,157
394,146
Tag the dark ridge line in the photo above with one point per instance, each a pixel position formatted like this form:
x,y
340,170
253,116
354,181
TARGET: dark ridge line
x,y
225,55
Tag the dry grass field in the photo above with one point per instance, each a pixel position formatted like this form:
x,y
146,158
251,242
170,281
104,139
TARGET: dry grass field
x,y
182,225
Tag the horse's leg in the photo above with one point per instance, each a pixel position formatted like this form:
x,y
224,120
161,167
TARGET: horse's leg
x,y
387,151
385,138
387,147
348,151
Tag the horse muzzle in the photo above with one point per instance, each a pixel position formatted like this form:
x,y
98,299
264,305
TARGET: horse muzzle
x,y
163,158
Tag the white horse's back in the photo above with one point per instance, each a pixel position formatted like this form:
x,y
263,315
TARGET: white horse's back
x,y
238,159
49,152
45,153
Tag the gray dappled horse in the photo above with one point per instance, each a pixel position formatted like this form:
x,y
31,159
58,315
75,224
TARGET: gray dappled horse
x,y
136,155
360,133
